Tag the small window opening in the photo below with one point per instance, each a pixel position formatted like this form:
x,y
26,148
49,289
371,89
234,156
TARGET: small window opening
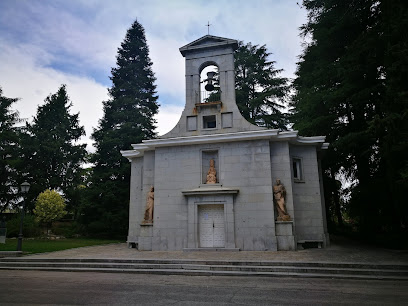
x,y
297,168
209,122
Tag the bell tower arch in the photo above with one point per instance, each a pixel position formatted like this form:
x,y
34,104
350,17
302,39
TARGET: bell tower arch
x,y
210,99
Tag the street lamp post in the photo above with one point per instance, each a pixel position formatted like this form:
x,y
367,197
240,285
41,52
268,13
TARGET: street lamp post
x,y
24,189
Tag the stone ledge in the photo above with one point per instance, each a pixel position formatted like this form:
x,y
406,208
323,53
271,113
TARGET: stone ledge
x,y
10,253
217,104
210,191
210,250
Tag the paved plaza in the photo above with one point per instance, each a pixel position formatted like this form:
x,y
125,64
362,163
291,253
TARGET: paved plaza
x,y
341,250
56,287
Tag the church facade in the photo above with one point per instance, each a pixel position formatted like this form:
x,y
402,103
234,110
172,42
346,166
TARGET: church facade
x,y
218,182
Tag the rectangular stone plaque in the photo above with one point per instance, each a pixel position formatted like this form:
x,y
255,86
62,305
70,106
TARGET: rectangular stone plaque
x,y
226,119
191,123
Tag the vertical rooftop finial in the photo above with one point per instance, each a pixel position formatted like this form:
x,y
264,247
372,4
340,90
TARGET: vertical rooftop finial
x,y
208,25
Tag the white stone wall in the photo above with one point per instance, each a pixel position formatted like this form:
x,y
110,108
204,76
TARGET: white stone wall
x,y
136,200
247,167
243,165
281,169
307,197
250,166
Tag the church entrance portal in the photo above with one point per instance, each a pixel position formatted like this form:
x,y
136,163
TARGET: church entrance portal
x,y
211,226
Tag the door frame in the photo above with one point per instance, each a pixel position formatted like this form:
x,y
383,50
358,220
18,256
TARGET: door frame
x,y
195,198
200,206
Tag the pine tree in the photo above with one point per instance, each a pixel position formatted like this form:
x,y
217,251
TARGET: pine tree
x,y
52,157
8,152
260,92
128,118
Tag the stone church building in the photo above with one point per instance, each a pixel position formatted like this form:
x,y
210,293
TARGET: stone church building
x,y
217,181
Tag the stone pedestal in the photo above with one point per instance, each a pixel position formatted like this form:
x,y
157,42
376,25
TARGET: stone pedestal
x,y
145,238
3,231
284,236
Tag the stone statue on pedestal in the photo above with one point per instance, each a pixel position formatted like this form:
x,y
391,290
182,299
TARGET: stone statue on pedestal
x,y
212,173
279,194
148,217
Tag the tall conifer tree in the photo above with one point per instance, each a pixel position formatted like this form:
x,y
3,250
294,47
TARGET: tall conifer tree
x,y
391,125
8,151
260,92
349,87
128,118
52,157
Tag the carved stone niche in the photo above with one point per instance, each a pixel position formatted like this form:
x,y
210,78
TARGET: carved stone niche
x,y
206,158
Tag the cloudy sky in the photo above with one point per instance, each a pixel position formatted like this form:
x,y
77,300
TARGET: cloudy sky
x,y
46,43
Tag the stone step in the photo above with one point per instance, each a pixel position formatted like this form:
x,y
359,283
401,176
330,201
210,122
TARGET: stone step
x,y
212,273
337,265
10,253
215,268
106,265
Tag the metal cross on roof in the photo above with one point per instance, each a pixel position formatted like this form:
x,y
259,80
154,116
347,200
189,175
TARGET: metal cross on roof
x,y
208,25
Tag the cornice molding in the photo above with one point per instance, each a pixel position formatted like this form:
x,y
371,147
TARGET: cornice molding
x,y
209,191
291,136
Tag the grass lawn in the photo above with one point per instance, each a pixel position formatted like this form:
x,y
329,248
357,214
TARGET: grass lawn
x,y
44,245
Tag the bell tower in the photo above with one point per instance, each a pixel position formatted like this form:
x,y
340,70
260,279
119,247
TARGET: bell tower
x,y
204,52
210,94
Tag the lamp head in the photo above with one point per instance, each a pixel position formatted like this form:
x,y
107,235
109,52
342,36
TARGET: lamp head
x,y
25,187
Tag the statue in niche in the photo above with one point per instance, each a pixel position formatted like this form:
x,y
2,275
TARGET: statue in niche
x,y
279,194
148,217
212,173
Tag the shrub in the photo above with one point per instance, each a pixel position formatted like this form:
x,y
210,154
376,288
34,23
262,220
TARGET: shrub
x,y
49,206
66,229
31,228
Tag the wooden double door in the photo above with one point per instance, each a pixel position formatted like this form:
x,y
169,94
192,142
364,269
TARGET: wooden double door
x,y
211,226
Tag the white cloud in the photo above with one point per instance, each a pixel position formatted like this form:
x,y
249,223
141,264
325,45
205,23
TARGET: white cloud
x,y
23,78
168,67
32,84
38,35
167,118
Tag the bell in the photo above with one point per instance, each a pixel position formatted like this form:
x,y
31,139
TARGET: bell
x,y
209,86
210,79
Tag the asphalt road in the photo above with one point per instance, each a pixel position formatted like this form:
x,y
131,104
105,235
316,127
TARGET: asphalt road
x,y
39,287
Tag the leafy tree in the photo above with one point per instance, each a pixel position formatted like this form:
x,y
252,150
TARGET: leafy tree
x,y
49,206
350,88
8,151
260,92
128,118
52,157
391,124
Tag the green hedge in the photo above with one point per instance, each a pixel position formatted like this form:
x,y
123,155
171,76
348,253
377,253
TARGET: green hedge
x,y
31,227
